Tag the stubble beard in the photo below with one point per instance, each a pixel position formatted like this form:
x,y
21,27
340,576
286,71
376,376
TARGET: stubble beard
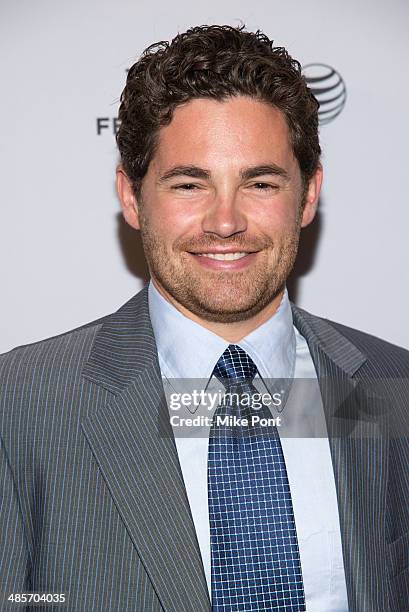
x,y
221,296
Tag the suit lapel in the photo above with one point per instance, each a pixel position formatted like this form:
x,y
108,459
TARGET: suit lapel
x,y
356,422
132,442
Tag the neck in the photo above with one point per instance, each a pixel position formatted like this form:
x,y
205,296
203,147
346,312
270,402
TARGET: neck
x,y
231,332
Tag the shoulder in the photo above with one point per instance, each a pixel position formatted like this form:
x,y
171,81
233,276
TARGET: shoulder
x,y
375,348
382,357
73,345
39,378
56,364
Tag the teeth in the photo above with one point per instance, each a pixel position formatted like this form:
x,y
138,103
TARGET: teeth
x,y
223,256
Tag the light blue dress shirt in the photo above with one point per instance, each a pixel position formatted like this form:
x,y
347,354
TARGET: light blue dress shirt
x,y
187,350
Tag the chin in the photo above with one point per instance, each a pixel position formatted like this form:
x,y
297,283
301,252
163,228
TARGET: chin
x,y
224,298
227,311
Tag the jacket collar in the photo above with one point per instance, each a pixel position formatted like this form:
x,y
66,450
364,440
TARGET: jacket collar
x,y
125,344
319,333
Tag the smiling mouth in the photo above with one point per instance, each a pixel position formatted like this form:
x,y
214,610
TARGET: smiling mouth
x,y
223,256
230,261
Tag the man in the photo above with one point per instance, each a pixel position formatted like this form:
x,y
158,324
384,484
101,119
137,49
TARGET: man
x,y
103,502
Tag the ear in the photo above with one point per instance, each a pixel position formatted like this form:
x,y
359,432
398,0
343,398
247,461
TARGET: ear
x,y
127,198
312,196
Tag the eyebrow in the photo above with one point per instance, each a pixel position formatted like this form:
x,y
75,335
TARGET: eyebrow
x,y
246,174
192,171
255,171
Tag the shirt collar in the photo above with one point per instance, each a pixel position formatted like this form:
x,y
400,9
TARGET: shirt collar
x,y
188,350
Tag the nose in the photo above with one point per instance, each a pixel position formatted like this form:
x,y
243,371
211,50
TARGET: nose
x,y
224,217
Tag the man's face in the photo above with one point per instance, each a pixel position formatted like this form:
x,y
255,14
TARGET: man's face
x,y
221,208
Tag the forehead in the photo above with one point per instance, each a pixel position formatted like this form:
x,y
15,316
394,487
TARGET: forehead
x,y
240,130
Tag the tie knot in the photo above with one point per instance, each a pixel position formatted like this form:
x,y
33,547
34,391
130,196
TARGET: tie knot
x,y
235,366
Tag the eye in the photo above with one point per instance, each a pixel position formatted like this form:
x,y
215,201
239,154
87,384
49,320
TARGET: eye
x,y
185,187
264,186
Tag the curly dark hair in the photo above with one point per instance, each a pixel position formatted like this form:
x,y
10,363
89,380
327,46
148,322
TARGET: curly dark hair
x,y
213,62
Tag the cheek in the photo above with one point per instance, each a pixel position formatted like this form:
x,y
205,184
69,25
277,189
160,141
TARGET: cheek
x,y
176,219
277,218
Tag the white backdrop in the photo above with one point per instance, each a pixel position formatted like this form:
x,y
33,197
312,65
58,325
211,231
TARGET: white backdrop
x,y
63,65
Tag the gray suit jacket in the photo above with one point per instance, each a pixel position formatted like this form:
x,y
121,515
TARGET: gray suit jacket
x,y
93,502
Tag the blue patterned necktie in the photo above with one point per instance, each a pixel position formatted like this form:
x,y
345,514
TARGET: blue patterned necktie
x,y
254,549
